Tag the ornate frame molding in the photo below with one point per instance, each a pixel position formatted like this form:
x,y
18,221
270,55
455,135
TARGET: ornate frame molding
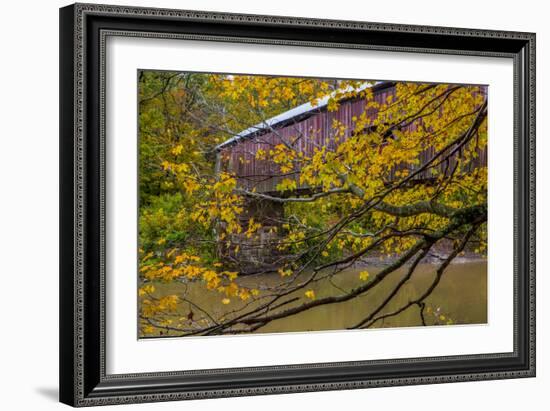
x,y
83,42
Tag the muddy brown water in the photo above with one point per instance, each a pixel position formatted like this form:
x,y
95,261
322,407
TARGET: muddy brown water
x,y
460,298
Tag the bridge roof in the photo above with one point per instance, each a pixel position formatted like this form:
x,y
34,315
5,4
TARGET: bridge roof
x,y
284,117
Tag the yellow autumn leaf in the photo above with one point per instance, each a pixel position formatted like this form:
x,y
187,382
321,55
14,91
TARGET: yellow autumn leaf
x,y
284,273
310,294
177,150
146,289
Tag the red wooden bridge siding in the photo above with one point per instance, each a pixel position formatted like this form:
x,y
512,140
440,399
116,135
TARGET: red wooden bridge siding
x,y
309,130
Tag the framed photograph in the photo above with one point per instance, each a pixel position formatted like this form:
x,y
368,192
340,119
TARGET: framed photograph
x,y
261,204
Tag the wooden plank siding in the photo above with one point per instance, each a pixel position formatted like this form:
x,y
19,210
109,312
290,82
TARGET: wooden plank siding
x,y
311,130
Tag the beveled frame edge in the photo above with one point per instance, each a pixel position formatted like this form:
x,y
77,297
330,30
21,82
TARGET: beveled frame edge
x,y
77,364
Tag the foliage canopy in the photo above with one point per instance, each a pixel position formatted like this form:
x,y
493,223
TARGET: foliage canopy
x,y
367,198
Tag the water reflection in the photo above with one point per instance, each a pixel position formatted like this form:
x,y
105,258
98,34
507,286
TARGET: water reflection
x,y
460,298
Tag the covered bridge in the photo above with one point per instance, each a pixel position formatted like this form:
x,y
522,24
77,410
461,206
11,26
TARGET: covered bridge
x,y
308,127
305,128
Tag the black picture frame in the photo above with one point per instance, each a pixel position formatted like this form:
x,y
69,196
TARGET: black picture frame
x,y
83,29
